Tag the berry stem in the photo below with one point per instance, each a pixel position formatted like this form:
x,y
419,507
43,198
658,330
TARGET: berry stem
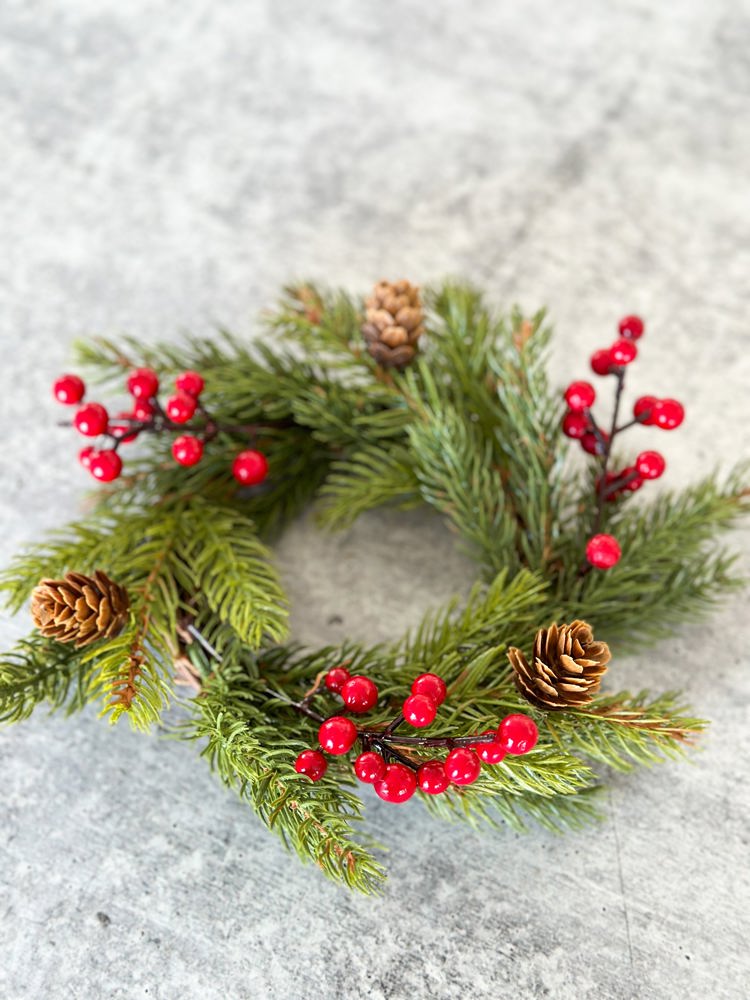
x,y
602,491
617,484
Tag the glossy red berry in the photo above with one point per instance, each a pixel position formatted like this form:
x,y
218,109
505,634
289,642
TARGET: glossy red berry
x,y
643,410
610,478
593,444
650,464
490,753
190,382
623,352
580,396
69,389
432,685
603,551
91,420
462,766
122,429
85,455
180,408
370,767
187,449
360,694
250,467
336,678
634,479
142,409
337,735
575,425
601,362
518,734
143,383
419,710
668,414
105,465
311,763
397,785
431,777
631,327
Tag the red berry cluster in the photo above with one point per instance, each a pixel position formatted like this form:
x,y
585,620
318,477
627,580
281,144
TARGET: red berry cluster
x,y
182,411
382,761
603,551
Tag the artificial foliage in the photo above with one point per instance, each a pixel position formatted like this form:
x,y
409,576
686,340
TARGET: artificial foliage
x,y
353,403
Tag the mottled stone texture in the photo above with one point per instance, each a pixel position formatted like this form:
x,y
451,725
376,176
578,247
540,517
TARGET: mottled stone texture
x,y
167,166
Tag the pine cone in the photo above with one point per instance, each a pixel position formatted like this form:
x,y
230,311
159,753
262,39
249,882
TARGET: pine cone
x,y
567,666
80,609
393,323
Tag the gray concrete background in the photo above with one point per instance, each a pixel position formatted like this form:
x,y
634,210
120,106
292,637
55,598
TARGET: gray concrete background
x,y
169,165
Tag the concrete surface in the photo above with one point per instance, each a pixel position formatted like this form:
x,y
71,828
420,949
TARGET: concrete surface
x,y
168,165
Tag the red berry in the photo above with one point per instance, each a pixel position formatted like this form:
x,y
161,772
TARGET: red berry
x,y
180,408
431,685
187,449
601,362
623,352
337,735
419,710
518,734
121,428
360,694
635,480
643,410
650,464
250,467
85,455
593,444
336,678
311,763
462,766
631,327
580,395
142,409
105,465
69,389
610,478
143,383
603,551
398,784
575,425
431,777
668,414
190,382
490,753
369,767
91,420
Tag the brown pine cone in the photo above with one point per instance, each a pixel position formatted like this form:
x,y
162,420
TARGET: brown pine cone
x,y
80,609
393,323
566,668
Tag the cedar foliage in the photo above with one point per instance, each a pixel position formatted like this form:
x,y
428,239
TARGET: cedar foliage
x,y
472,428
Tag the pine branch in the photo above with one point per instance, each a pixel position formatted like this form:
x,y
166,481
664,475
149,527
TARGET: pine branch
x,y
40,671
624,730
369,478
314,820
457,475
672,569
233,572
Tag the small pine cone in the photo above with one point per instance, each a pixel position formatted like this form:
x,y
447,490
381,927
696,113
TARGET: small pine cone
x,y
393,323
80,609
566,668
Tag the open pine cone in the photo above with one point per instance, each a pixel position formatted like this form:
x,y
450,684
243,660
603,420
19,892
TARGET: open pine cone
x,y
80,609
566,667
393,323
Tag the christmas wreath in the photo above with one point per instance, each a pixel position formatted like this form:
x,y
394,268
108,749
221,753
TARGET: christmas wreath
x,y
490,710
